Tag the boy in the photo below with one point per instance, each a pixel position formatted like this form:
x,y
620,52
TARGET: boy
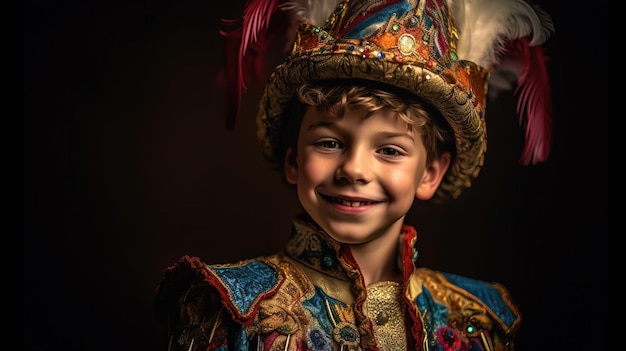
x,y
367,114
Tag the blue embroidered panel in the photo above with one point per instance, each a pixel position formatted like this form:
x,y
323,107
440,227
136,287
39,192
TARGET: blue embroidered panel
x,y
433,314
486,293
319,337
246,281
316,306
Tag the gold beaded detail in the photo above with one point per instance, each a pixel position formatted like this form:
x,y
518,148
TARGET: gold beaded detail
x,y
385,307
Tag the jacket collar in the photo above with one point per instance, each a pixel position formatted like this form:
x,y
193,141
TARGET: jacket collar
x,y
311,246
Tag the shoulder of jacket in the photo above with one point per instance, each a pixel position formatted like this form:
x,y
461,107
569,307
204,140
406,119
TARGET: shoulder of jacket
x,y
237,286
244,284
493,297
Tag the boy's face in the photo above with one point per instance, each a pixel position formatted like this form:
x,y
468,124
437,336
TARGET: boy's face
x,y
358,177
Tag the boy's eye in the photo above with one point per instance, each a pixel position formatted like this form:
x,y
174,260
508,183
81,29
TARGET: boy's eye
x,y
389,151
329,144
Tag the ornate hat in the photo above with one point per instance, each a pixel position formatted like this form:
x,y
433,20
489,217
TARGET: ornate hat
x,y
443,51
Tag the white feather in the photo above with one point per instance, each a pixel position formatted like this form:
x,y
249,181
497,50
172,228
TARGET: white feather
x,y
321,10
484,26
313,11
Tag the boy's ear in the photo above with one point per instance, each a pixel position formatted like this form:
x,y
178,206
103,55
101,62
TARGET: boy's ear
x,y
433,175
291,166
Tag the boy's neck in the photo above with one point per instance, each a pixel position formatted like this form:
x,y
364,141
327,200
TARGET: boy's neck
x,y
378,259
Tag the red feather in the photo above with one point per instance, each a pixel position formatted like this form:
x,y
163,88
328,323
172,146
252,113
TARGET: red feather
x,y
248,43
534,105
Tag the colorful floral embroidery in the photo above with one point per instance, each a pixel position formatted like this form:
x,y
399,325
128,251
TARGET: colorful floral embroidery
x,y
451,340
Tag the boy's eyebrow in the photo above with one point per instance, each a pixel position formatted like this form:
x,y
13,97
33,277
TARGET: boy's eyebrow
x,y
383,134
396,135
320,124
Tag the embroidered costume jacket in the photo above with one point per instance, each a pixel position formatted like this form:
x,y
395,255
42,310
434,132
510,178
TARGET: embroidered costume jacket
x,y
312,297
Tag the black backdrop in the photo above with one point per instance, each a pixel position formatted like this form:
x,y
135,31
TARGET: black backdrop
x,y
128,165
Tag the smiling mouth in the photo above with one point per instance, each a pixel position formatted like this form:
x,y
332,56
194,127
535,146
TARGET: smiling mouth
x,y
348,203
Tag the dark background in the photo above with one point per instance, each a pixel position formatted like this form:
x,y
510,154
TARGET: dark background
x,y
128,166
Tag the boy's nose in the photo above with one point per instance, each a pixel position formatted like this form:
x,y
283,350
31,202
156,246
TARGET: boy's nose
x,y
355,168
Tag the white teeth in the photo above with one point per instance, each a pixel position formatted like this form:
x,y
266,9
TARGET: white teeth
x,y
351,203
